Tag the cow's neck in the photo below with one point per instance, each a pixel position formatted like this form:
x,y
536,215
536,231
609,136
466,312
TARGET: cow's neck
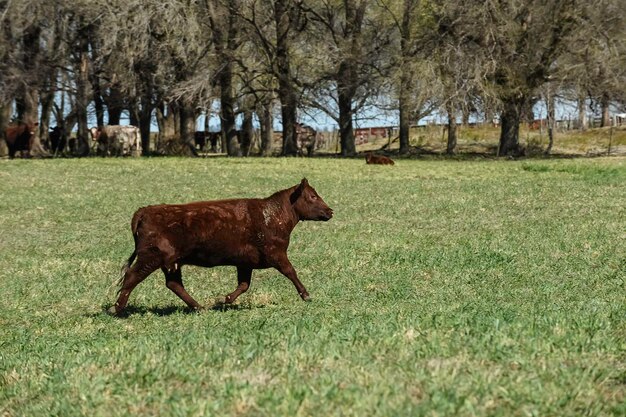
x,y
287,218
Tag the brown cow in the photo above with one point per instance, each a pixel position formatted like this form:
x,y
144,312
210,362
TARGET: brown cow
x,y
20,137
247,233
370,158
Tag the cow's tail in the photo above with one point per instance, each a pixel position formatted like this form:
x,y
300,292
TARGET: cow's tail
x,y
133,225
125,269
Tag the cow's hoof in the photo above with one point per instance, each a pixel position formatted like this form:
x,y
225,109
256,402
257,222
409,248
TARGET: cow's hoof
x,y
306,297
113,312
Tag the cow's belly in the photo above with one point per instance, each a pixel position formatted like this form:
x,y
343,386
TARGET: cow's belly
x,y
246,255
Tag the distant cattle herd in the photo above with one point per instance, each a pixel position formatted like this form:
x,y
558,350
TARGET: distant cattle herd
x,y
118,140
107,140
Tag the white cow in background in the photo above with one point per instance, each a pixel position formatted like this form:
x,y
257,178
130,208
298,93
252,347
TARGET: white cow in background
x,y
117,140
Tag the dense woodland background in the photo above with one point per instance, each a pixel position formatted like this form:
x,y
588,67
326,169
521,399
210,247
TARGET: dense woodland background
x,y
253,61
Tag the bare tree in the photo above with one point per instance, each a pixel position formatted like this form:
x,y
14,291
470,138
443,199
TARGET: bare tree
x,y
274,27
224,26
406,62
352,43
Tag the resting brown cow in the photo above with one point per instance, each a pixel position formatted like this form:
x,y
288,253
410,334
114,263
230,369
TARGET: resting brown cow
x,y
246,233
370,158
20,137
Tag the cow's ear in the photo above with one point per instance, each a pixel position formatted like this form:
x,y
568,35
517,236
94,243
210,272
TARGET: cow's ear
x,y
298,191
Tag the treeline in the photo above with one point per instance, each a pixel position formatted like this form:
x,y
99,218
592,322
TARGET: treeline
x,y
171,61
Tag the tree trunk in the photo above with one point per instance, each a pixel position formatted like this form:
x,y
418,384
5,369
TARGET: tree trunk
x,y
451,147
286,93
466,116
115,105
145,118
207,119
488,117
47,102
550,105
225,28
133,111
289,118
582,113
404,121
167,121
227,110
346,131
98,102
406,82
604,103
82,101
345,93
267,129
188,128
27,103
347,77
5,115
247,132
509,131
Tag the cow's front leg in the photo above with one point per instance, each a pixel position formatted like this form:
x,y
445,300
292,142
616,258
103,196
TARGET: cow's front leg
x,y
243,279
284,267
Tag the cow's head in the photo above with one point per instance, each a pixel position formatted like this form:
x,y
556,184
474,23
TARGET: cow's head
x,y
95,133
308,205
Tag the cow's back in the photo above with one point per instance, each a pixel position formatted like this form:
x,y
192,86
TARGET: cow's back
x,y
202,233
119,140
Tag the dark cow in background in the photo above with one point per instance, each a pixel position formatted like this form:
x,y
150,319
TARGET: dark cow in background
x,y
214,139
201,138
57,140
248,233
370,158
20,137
117,140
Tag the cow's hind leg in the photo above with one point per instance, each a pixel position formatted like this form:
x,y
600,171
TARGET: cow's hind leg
x,y
133,276
243,279
174,281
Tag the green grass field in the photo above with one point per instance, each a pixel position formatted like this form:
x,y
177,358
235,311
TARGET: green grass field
x,y
439,288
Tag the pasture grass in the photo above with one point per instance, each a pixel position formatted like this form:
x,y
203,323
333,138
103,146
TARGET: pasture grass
x,y
439,288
